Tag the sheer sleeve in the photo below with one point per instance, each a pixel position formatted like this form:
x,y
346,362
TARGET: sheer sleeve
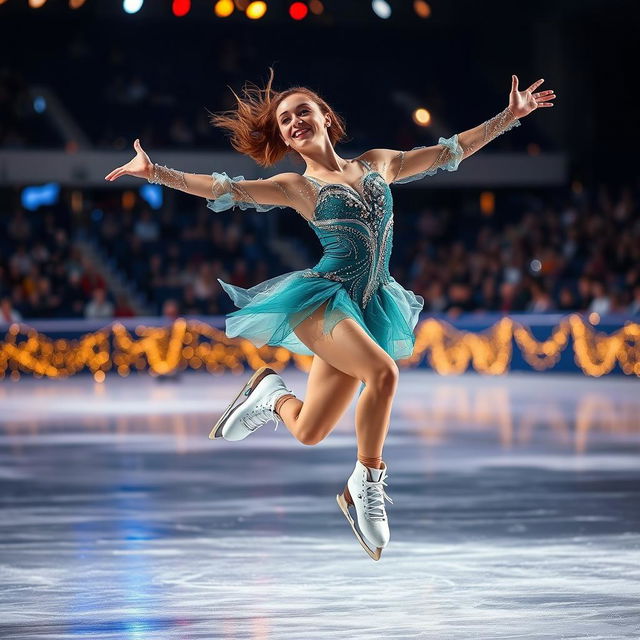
x,y
228,192
448,160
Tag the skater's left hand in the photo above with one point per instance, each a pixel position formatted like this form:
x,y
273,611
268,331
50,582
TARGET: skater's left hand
x,y
522,103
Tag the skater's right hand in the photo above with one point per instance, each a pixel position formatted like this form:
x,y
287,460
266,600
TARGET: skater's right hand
x,y
140,166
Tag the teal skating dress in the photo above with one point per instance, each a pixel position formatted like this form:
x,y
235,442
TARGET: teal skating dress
x,y
355,228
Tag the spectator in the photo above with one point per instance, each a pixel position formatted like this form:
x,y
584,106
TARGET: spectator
x,y
146,228
435,298
601,302
460,299
251,250
584,293
175,275
489,300
240,276
170,309
35,306
74,297
541,301
50,302
508,292
99,306
21,262
91,279
30,279
122,308
7,313
204,285
190,305
567,301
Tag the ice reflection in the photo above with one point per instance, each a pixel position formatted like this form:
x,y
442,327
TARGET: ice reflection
x,y
127,537
518,409
120,520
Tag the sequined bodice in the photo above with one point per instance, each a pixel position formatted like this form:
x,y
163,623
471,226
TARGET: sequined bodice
x,y
356,233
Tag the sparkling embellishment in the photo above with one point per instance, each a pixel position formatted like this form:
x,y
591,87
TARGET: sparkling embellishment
x,y
492,128
355,228
168,177
353,223
459,146
329,275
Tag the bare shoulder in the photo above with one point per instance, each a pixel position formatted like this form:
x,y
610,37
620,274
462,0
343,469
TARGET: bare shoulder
x,y
288,178
378,156
383,161
299,192
295,184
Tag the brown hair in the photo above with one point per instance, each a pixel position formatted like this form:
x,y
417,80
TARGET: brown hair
x,y
253,125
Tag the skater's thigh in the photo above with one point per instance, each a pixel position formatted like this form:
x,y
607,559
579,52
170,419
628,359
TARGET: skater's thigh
x,y
329,394
348,348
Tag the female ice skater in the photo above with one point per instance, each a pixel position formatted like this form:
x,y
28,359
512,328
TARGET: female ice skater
x,y
347,310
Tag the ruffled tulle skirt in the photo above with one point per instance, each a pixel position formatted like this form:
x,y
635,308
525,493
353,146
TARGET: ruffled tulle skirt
x,y
269,312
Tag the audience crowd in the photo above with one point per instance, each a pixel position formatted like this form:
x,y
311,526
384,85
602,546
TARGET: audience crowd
x,y
581,256
180,255
42,273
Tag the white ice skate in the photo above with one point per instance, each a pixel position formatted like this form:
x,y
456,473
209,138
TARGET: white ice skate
x,y
257,407
364,494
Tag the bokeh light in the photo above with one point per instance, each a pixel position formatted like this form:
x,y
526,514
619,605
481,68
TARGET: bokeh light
x,y
487,203
223,8
181,8
381,8
132,6
256,10
316,7
422,117
298,10
422,8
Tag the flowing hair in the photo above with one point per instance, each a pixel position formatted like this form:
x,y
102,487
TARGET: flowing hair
x,y
253,126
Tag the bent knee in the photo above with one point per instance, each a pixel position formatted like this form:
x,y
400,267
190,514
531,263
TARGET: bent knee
x,y
311,437
383,376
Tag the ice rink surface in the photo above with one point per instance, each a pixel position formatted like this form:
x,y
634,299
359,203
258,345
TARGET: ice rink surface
x,y
516,514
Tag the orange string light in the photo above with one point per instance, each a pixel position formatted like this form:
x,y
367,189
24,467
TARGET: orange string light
x,y
194,344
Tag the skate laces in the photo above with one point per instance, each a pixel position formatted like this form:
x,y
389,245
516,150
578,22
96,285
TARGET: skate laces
x,y
374,507
258,417
262,413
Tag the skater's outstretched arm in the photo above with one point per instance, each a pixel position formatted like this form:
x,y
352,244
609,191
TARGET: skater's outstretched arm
x,y
283,190
405,166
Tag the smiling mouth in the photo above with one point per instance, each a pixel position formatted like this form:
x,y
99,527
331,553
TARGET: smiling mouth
x,y
300,134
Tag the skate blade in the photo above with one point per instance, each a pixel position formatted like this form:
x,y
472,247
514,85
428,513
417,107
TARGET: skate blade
x,y
344,507
216,431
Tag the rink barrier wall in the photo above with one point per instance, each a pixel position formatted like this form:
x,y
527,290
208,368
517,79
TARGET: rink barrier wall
x,y
489,343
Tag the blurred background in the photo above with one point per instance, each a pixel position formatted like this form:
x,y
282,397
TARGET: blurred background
x,y
543,221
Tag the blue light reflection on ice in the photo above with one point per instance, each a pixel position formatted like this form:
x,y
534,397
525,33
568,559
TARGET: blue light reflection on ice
x,y
128,538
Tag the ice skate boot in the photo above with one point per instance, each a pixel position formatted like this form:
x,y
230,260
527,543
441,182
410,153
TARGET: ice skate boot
x,y
364,495
259,395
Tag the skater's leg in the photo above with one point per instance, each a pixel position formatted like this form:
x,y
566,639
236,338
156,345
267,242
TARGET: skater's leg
x,y
350,350
329,393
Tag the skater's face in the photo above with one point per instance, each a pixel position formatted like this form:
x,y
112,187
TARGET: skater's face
x,y
301,121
